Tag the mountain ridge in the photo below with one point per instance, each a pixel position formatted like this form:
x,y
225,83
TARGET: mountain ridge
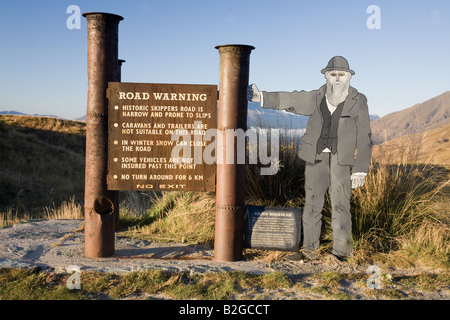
x,y
17,113
428,115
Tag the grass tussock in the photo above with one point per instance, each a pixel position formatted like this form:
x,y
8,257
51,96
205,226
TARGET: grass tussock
x,y
10,217
70,209
403,209
67,210
180,217
286,188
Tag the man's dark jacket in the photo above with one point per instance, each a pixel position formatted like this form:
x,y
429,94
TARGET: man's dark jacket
x,y
354,145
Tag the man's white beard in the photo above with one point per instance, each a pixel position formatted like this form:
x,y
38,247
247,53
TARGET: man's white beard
x,y
337,93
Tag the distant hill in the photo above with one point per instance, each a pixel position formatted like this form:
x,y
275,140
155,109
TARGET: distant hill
x,y
421,117
430,147
16,113
41,162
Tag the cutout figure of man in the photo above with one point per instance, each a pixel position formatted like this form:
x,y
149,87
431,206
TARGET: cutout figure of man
x,y
336,147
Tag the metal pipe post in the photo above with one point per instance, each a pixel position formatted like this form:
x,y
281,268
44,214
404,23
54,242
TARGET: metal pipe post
x,y
119,76
103,67
230,187
117,196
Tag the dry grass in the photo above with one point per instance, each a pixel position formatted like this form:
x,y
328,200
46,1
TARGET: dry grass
x,y
428,245
45,124
430,147
41,162
10,217
282,189
67,210
404,207
179,217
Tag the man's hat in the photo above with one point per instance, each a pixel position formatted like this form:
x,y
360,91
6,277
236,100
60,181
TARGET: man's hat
x,y
338,63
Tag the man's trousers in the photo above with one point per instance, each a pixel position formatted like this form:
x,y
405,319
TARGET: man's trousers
x,y
327,174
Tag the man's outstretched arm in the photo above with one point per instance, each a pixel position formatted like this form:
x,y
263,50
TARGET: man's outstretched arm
x,y
299,102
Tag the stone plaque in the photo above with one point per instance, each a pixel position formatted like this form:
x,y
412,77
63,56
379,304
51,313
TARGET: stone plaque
x,y
272,228
156,136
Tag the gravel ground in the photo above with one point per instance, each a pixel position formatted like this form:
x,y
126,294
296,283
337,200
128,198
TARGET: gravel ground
x,y
54,245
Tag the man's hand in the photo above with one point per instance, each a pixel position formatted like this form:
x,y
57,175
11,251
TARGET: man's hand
x,y
253,94
358,179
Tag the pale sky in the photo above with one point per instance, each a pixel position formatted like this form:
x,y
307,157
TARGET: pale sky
x,y
43,65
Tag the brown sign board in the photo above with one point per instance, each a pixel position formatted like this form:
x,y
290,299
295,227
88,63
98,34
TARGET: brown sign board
x,y
155,136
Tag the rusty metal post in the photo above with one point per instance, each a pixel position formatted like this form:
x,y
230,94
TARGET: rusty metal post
x,y
230,188
117,196
119,76
103,67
